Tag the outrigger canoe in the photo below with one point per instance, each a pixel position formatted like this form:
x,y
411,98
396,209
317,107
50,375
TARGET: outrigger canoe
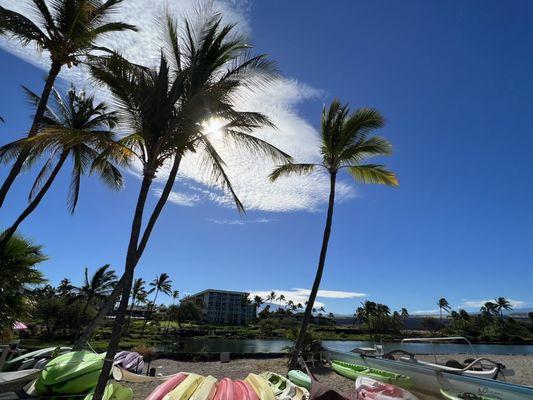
x,y
450,395
354,371
71,373
260,386
300,378
372,389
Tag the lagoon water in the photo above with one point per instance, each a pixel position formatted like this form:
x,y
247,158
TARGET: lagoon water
x,y
216,345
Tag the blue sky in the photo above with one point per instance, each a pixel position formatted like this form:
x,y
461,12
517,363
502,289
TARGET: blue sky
x,y
453,80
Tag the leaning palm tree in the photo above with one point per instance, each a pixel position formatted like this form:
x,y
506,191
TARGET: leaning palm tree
x,y
175,295
68,31
98,286
72,127
502,304
170,111
161,283
345,145
443,305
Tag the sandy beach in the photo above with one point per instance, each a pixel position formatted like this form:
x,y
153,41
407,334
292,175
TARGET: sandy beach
x,y
239,369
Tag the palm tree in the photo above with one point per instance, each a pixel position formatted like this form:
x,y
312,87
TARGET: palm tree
x,y
258,301
170,112
68,31
98,286
345,144
161,283
138,293
65,288
489,309
404,314
271,297
73,127
502,304
464,314
443,305
175,295
18,272
281,299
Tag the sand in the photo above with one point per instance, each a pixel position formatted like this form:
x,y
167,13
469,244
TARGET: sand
x,y
239,369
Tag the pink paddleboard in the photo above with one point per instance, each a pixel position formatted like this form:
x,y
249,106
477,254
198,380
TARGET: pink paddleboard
x,y
225,390
170,384
243,391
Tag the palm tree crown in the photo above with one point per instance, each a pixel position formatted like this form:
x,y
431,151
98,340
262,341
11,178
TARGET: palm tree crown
x,y
100,284
162,283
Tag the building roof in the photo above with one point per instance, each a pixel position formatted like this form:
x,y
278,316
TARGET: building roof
x,y
219,291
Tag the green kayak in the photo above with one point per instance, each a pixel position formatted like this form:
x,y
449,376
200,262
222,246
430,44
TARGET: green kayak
x,y
15,363
450,395
353,371
71,373
113,391
300,378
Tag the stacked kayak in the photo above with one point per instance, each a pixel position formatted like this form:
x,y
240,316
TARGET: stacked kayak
x,y
29,360
372,389
113,391
260,386
283,388
71,373
451,395
130,361
354,371
300,378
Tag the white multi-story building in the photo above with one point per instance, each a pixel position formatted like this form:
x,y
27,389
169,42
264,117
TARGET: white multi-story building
x,y
225,307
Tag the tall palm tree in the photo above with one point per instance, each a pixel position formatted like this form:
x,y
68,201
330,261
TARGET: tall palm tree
x,y
138,292
502,304
98,286
72,127
175,295
443,305
345,144
68,31
271,297
169,112
404,314
161,283
17,273
489,309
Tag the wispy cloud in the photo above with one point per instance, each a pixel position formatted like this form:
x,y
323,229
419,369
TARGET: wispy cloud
x,y
298,295
516,304
240,221
183,199
425,312
279,101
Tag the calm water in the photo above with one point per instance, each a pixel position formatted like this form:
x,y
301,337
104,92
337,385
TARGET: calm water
x,y
216,345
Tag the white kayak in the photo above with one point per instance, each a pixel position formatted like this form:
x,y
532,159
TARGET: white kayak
x,y
368,388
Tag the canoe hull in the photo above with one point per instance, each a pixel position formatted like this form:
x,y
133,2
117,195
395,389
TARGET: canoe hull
x,y
354,371
300,378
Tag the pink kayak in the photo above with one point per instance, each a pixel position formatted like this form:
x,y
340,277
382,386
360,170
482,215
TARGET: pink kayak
x,y
243,391
167,386
225,390
371,389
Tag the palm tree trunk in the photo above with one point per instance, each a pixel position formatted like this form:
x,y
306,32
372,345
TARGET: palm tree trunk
x,y
131,262
8,234
41,107
318,276
149,313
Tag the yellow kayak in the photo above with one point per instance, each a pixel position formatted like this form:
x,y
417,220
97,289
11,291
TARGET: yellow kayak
x,y
261,386
206,390
185,389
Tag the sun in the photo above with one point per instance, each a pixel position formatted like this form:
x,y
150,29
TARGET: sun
x,y
213,127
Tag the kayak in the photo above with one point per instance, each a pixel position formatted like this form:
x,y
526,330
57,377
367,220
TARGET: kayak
x,y
130,361
283,388
372,389
28,360
167,386
113,391
260,386
206,390
353,371
450,395
185,389
243,391
300,378
71,373
225,390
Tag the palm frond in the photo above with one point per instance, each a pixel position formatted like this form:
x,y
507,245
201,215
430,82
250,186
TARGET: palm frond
x,y
21,28
291,169
358,152
255,146
41,177
373,173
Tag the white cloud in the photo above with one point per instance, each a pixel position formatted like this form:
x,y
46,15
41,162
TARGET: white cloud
x,y
183,199
243,221
516,304
298,295
279,100
425,312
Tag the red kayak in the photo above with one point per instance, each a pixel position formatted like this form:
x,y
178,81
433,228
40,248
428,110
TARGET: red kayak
x,y
167,386
371,389
244,392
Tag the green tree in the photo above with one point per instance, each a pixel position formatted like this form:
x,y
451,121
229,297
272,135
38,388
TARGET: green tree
x,y
73,127
174,110
443,305
68,31
18,273
502,304
161,283
97,287
345,144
